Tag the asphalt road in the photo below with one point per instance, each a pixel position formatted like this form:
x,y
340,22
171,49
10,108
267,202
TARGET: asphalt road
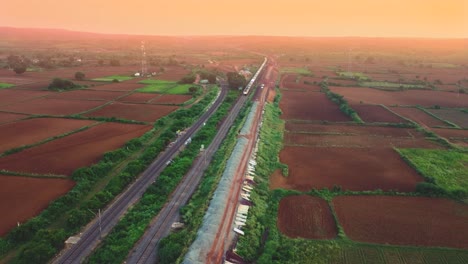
x,y
110,217
145,251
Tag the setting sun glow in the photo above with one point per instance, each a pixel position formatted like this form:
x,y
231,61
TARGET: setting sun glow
x,y
373,18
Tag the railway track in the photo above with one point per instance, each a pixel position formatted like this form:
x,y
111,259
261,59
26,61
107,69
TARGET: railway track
x,y
145,251
110,217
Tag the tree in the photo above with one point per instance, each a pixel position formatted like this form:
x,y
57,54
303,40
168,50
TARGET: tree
x,y
20,68
193,90
79,76
62,84
188,79
235,80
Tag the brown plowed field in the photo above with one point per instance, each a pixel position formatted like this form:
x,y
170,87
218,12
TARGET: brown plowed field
x,y
356,141
447,87
353,130
398,220
310,106
7,117
139,97
35,86
139,112
9,96
376,113
418,116
300,86
311,80
411,97
173,74
123,86
51,106
451,133
64,155
306,216
34,130
87,95
356,169
453,115
287,78
171,99
24,197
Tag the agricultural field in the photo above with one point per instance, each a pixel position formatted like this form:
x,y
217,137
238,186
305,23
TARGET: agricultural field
x,y
25,197
306,217
403,220
64,155
56,107
111,78
392,86
138,112
376,114
167,87
419,116
423,98
455,116
378,176
310,106
31,131
5,85
446,167
8,117
87,95
456,136
356,169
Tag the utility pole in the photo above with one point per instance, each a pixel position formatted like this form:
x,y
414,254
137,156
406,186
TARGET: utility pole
x,y
99,219
144,67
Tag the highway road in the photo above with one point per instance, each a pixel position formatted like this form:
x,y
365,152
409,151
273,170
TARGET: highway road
x,y
110,217
145,251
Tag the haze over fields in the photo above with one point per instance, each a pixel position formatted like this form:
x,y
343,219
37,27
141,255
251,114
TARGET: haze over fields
x,y
372,18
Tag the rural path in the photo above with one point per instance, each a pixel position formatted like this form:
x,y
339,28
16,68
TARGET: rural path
x,y
91,237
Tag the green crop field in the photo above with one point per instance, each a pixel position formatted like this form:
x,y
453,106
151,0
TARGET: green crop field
x,y
152,81
113,77
390,85
180,89
447,167
5,85
353,75
303,71
167,87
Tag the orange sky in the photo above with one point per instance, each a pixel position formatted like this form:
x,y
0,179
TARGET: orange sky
x,y
382,18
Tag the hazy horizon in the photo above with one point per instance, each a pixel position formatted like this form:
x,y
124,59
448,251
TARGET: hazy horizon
x,y
294,18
